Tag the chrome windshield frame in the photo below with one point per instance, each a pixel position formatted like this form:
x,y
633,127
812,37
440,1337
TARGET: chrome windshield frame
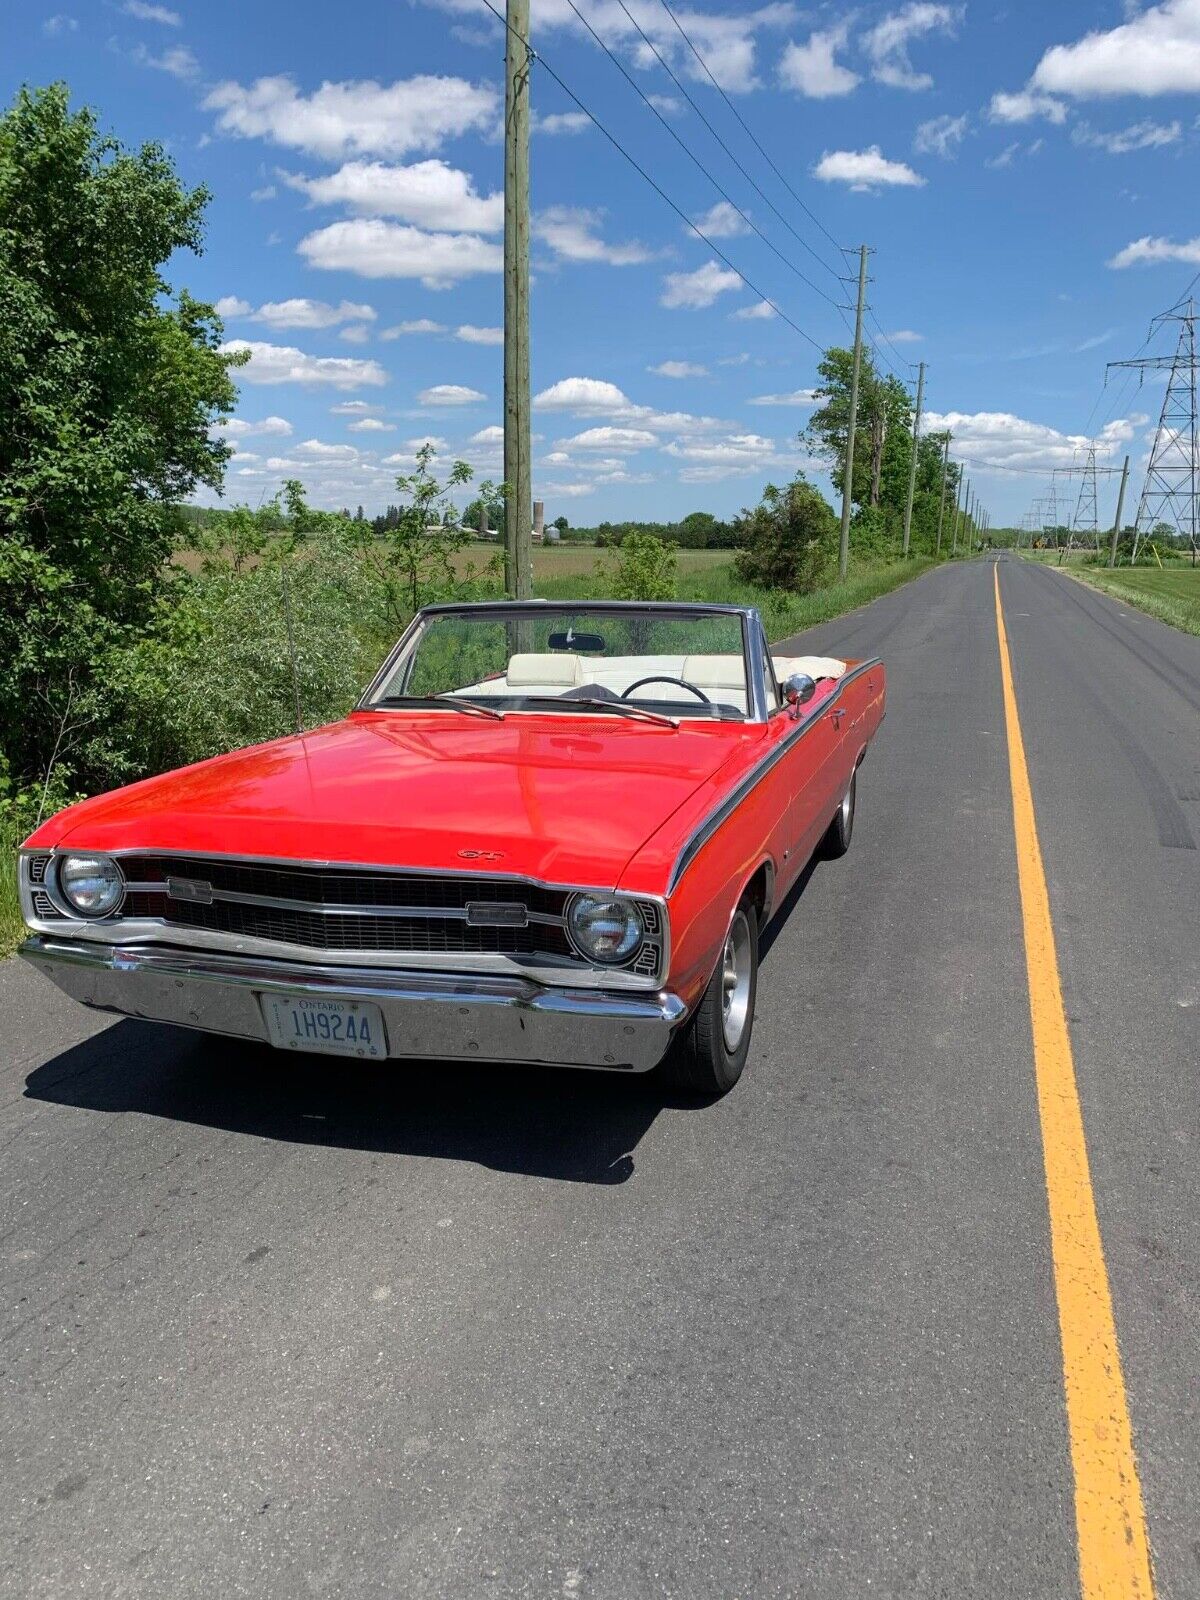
x,y
499,610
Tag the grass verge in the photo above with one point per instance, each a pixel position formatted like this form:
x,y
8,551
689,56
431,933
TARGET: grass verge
x,y
12,929
783,613
1172,594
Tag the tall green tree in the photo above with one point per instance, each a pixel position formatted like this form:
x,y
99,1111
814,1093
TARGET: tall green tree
x,y
882,439
109,383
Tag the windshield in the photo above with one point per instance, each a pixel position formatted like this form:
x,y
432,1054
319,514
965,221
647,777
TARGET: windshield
x,y
580,659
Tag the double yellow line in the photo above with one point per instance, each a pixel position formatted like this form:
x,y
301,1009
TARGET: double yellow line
x,y
1114,1557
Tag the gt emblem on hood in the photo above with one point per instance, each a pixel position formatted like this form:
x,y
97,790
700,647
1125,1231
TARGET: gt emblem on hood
x,y
482,855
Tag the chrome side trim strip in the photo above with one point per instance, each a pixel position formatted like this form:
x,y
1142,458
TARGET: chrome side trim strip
x,y
705,830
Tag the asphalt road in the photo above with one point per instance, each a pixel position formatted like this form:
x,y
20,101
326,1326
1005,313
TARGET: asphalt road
x,y
279,1330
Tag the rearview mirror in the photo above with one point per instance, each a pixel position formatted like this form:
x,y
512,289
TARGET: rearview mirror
x,y
798,689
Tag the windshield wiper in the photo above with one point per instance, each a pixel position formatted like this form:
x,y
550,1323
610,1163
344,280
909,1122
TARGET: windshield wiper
x,y
618,708
470,707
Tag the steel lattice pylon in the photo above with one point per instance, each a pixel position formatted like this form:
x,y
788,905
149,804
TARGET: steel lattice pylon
x,y
1086,514
1169,493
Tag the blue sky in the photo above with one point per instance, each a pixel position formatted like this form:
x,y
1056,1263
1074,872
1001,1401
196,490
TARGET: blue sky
x,y
1025,175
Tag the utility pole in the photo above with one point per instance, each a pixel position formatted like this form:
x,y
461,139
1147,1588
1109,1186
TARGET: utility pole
x,y
960,507
1116,528
942,503
848,468
518,554
912,466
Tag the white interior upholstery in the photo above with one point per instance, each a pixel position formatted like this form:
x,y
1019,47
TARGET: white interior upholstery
x,y
533,671
721,677
811,666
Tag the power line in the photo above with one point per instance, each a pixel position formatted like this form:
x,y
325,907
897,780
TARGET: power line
x,y
811,215
654,184
695,159
799,237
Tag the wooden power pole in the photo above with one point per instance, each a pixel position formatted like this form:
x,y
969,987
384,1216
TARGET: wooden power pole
x,y
848,469
1116,531
518,552
942,505
912,466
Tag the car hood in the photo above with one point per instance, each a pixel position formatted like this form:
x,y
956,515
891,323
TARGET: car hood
x,y
562,799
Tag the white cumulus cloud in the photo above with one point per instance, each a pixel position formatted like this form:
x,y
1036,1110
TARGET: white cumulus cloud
x,y
609,437
401,330
887,43
469,333
865,169
721,221
571,233
679,369
450,394
357,117
1148,250
430,194
1153,52
694,290
1025,105
377,249
813,70
281,363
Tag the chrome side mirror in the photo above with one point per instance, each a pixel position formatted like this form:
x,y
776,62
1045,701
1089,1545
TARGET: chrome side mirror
x,y
798,690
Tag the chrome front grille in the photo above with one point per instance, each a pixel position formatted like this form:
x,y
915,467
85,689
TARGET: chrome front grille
x,y
348,909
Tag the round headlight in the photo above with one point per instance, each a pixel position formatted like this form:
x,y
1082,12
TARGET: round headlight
x,y
603,928
91,885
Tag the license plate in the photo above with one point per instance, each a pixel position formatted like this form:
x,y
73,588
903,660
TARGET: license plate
x,y
330,1027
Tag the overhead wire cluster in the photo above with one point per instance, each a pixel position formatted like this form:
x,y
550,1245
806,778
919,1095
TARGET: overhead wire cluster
x,y
835,272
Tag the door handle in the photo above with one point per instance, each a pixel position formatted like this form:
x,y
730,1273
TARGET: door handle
x,y
836,717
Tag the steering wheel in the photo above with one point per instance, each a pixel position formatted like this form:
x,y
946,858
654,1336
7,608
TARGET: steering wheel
x,y
663,677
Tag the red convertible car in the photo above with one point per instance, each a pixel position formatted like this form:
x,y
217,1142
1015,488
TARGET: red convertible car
x,y
547,833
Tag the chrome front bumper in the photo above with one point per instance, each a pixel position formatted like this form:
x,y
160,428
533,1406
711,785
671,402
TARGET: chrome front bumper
x,y
429,1017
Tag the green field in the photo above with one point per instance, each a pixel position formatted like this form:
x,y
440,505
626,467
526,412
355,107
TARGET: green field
x,y
1172,594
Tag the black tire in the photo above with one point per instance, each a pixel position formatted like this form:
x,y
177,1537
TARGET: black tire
x,y
841,830
702,1060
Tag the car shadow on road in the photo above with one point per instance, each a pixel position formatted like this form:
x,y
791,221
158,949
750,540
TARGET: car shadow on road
x,y
579,1127
574,1126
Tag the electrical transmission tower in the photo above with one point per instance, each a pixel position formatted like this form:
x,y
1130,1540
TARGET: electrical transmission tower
x,y
1086,520
1169,493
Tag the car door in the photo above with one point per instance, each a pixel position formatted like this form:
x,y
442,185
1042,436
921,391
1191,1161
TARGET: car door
x,y
811,770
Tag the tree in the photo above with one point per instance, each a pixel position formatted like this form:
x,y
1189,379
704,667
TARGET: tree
x,y
109,385
642,568
562,525
882,440
788,539
492,504
414,562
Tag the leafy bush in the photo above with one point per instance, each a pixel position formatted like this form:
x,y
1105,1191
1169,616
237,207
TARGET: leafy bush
x,y
787,540
642,568
216,672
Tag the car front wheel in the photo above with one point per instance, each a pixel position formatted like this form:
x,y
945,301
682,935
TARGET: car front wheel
x,y
711,1055
837,837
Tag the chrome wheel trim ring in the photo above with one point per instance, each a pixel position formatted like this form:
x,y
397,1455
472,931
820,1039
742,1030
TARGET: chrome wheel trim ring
x,y
735,982
848,808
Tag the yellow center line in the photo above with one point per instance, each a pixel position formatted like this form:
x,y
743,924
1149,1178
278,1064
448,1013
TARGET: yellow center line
x,y
1114,1557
